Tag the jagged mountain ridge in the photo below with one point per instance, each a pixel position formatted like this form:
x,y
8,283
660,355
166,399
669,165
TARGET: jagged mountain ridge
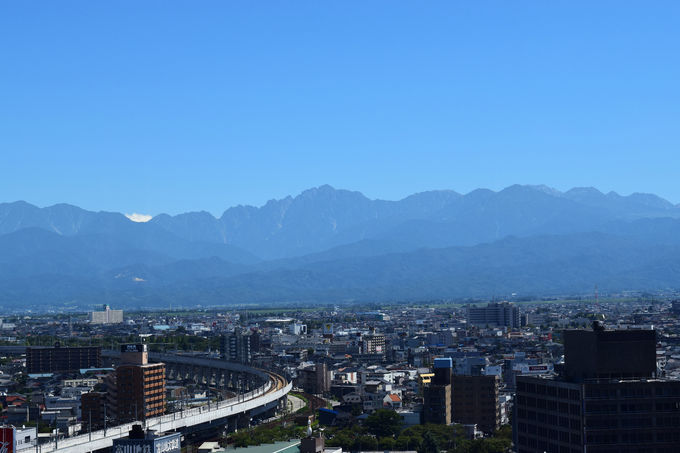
x,y
339,245
323,217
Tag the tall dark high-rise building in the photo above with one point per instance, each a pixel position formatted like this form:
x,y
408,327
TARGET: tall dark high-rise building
x,y
607,399
675,307
502,314
437,404
475,401
602,354
437,395
315,379
40,359
255,342
236,347
443,370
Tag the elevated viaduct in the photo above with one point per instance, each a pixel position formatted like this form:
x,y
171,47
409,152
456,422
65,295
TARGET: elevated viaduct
x,y
263,392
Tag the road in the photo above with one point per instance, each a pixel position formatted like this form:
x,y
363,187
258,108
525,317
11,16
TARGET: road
x,y
295,403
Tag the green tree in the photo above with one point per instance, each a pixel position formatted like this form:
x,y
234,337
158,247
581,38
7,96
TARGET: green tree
x,y
386,444
406,442
383,423
365,443
344,438
428,444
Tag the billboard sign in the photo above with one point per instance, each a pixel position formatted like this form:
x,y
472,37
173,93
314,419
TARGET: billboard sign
x,y
163,444
133,348
168,444
7,439
523,368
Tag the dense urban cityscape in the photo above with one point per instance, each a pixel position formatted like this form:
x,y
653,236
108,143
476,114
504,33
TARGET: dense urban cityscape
x,y
557,375
339,227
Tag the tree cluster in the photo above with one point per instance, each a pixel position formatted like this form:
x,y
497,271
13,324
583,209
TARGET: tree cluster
x,y
383,431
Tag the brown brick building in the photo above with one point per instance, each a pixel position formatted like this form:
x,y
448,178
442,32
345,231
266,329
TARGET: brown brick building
x,y
140,386
475,401
92,408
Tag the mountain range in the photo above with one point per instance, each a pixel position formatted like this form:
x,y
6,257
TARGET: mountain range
x,y
329,245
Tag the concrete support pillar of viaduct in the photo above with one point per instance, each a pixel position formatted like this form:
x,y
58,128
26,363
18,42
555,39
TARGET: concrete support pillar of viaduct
x,y
269,413
243,420
232,424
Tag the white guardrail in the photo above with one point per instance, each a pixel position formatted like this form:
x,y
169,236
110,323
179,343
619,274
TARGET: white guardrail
x,y
177,420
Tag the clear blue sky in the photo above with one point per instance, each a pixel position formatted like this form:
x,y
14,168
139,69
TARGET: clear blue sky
x,y
174,106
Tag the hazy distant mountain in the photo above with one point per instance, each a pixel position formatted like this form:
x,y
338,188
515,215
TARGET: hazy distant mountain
x,y
62,219
328,244
321,218
539,265
635,205
193,226
23,227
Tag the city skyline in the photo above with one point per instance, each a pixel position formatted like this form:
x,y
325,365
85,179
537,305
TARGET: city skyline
x,y
327,227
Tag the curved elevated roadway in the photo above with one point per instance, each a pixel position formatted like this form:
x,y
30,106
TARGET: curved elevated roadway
x,y
275,387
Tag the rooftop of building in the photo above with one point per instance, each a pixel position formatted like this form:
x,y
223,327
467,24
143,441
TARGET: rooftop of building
x,y
277,447
557,378
58,346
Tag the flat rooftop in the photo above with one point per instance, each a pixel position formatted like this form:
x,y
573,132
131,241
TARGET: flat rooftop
x,y
277,447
